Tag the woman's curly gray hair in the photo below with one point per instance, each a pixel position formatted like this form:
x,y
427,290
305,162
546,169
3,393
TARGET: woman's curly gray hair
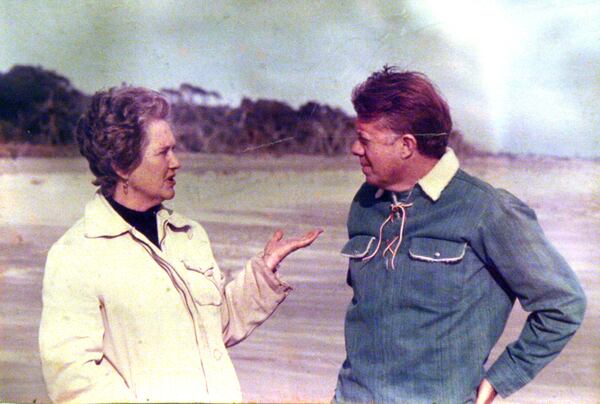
x,y
110,133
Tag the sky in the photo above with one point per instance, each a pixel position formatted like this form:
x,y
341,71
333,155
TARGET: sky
x,y
520,76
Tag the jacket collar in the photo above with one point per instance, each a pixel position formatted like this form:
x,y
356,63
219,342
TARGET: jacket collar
x,y
101,220
438,178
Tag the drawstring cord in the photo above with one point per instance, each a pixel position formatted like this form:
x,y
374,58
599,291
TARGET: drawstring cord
x,y
397,207
390,217
398,210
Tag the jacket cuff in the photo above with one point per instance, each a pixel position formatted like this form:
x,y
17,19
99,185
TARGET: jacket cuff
x,y
505,376
271,278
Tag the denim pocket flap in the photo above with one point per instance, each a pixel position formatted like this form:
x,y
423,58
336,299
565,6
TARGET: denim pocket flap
x,y
358,246
436,250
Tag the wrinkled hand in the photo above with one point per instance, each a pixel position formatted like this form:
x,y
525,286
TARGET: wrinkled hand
x,y
485,393
277,248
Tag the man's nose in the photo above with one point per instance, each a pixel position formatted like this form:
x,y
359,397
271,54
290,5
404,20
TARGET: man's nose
x,y
357,148
174,162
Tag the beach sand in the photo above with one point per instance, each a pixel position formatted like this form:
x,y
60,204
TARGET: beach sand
x,y
241,200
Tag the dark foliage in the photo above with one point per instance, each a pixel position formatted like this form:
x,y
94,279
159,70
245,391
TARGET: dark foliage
x,y
262,125
38,106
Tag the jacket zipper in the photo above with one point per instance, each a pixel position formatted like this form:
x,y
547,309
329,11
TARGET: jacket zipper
x,y
172,274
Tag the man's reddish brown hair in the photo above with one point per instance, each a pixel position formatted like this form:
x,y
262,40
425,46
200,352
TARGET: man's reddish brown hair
x,y
405,102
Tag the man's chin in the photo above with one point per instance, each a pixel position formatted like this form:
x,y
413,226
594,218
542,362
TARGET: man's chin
x,y
168,195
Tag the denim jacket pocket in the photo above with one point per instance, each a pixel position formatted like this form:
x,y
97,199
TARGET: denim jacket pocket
x,y
436,272
436,251
359,247
201,280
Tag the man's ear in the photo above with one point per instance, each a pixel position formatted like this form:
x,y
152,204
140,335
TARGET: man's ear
x,y
408,145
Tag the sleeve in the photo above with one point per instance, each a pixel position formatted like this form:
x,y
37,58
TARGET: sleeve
x,y
71,333
513,243
250,298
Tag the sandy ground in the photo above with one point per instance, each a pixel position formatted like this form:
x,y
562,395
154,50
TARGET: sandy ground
x,y
241,201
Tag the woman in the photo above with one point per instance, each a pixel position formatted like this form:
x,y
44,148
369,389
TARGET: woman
x,y
135,307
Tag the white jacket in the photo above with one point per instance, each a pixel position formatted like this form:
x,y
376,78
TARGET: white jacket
x,y
125,321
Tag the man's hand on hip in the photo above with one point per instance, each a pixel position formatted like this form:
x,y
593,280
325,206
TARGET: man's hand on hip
x,y
485,393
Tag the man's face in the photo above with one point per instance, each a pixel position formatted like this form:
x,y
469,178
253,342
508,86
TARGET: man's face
x,y
378,151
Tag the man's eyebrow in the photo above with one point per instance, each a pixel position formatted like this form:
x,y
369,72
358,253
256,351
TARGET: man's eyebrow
x,y
164,147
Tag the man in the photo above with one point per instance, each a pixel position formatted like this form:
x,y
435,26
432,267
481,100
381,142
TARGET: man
x,y
437,259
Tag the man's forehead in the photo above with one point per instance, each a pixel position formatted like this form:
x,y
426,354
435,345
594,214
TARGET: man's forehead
x,y
372,127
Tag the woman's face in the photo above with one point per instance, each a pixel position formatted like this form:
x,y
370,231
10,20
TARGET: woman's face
x,y
153,181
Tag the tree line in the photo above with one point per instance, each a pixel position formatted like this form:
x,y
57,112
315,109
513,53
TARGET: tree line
x,y
38,106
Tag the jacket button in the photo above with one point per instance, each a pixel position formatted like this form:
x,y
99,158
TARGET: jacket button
x,y
217,354
437,254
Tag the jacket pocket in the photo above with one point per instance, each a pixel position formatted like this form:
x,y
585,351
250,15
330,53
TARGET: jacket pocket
x,y
436,251
359,247
436,270
202,282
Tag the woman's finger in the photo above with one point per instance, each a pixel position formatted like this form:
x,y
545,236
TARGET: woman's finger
x,y
277,248
275,238
309,237
291,245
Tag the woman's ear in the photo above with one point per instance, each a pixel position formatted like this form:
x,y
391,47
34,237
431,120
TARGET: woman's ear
x,y
124,176
408,145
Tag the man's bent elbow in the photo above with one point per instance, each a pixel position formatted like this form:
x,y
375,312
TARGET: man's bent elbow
x,y
573,310
579,306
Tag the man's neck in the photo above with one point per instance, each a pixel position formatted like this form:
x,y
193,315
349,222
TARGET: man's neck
x,y
418,168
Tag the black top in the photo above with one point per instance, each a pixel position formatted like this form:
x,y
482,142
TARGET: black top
x,y
144,222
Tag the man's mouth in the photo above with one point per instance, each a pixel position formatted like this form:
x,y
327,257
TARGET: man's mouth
x,y
171,180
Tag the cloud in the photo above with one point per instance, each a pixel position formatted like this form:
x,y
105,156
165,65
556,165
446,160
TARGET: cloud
x,y
501,65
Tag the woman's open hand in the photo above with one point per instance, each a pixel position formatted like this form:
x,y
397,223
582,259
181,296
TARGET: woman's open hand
x,y
277,248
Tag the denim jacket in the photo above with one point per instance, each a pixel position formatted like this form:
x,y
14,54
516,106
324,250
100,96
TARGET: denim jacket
x,y
420,329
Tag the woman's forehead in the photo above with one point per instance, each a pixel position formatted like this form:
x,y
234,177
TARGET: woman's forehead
x,y
159,134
